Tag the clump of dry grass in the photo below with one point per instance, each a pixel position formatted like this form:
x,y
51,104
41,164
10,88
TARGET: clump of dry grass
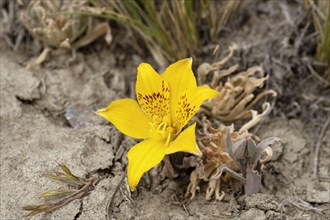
x,y
321,21
169,30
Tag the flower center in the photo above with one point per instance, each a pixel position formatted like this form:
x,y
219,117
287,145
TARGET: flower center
x,y
162,131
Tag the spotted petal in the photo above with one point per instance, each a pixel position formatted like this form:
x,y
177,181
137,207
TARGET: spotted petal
x,y
185,142
189,103
153,93
128,117
141,158
180,78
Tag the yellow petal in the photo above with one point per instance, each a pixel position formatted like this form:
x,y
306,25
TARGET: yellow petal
x,y
128,118
180,78
141,158
185,142
152,92
189,103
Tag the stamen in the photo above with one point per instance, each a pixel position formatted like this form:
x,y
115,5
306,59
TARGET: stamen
x,y
168,139
162,126
161,131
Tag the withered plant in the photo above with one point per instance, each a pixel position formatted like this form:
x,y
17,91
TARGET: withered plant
x,y
237,92
56,25
228,154
55,199
215,155
10,26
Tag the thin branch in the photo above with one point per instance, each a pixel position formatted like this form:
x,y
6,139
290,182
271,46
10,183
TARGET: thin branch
x,y
301,204
315,74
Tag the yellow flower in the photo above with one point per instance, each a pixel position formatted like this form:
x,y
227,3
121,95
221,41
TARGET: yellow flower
x,y
165,104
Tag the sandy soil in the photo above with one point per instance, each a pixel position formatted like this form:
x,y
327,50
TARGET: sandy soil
x,y
47,117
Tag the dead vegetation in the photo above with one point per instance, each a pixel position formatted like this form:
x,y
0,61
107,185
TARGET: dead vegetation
x,y
227,155
168,30
321,22
237,95
55,199
56,25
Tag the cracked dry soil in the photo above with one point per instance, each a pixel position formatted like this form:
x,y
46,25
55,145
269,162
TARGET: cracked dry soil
x,y
47,117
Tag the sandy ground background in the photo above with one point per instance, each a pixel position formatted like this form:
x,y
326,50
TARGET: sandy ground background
x,y
47,117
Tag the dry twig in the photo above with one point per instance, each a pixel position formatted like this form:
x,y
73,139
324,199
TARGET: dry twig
x,y
317,148
112,196
301,204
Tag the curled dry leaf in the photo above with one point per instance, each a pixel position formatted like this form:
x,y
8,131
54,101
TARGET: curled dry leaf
x,y
236,98
256,118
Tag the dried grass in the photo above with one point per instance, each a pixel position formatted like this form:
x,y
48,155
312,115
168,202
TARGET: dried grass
x,y
169,30
321,21
55,199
